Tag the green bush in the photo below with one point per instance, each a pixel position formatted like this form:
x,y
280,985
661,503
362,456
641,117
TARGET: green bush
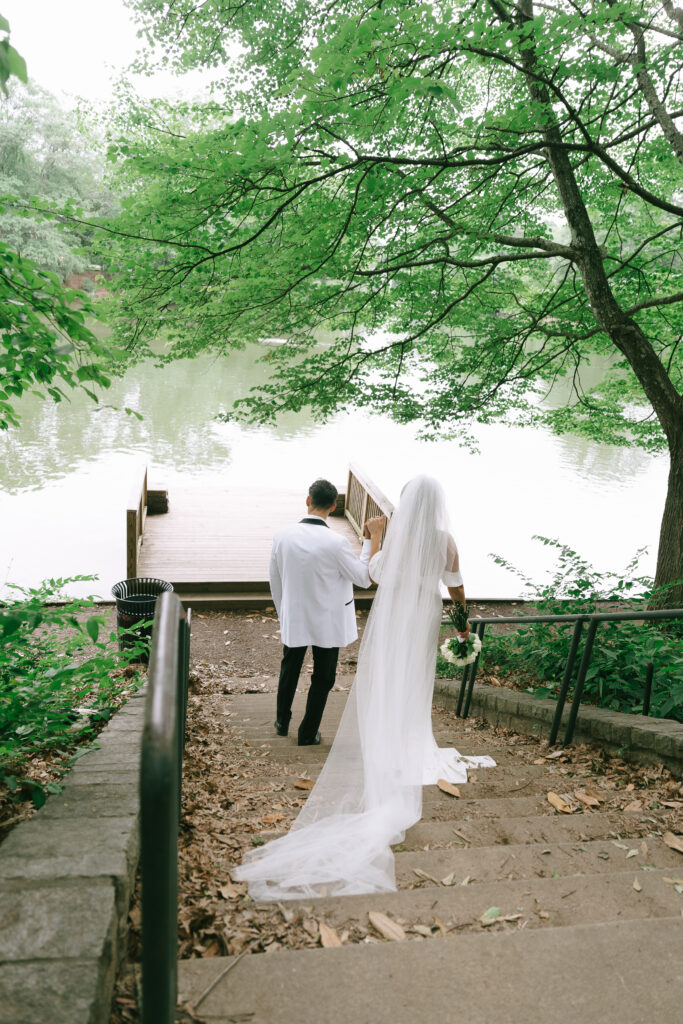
x,y
60,680
536,654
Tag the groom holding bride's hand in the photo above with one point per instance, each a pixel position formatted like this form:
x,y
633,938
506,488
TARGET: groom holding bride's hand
x,y
312,574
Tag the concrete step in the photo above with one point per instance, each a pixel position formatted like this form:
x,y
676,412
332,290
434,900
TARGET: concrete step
x,y
438,806
316,755
535,860
510,830
623,972
512,780
540,902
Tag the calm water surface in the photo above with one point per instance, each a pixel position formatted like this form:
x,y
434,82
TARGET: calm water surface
x,y
66,474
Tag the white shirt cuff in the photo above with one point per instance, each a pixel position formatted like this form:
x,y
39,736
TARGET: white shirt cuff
x,y
365,551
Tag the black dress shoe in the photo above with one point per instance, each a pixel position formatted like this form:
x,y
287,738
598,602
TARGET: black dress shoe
x,y
281,728
311,743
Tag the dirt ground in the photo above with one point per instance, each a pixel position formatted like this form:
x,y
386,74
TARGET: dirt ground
x,y
243,648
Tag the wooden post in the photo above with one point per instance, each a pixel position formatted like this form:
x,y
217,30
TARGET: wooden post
x,y
131,543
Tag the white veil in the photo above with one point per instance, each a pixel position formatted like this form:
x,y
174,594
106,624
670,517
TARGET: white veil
x,y
370,788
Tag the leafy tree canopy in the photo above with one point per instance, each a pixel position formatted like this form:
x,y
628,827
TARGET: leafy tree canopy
x,y
474,199
47,159
383,168
46,343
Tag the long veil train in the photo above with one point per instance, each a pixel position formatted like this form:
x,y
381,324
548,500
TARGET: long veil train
x,y
370,788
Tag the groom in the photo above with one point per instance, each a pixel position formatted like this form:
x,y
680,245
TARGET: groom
x,y
312,573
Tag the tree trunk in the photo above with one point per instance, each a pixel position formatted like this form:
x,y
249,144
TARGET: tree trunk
x,y
670,553
623,330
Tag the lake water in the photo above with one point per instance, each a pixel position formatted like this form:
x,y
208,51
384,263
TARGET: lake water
x,y
66,473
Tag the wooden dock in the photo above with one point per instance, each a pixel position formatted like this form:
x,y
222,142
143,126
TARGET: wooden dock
x,y
213,544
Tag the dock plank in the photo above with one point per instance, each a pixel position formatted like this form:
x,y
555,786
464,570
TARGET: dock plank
x,y
221,535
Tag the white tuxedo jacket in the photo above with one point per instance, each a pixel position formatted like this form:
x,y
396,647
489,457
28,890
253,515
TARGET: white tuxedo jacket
x,y
312,573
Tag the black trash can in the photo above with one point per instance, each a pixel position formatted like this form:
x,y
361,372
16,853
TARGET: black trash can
x,y
135,601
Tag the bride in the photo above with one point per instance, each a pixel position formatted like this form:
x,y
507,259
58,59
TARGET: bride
x,y
370,788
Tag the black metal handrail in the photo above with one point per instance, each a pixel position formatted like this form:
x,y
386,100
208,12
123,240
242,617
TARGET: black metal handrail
x,y
163,740
593,619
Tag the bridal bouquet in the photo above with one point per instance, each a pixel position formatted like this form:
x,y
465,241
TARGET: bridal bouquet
x,y
457,650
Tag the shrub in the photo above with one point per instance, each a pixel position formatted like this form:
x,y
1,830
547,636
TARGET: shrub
x,y
536,654
60,681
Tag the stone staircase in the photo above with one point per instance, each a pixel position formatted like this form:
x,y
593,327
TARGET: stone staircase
x,y
584,921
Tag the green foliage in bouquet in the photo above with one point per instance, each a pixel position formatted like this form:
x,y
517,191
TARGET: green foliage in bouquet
x,y
536,654
60,680
459,615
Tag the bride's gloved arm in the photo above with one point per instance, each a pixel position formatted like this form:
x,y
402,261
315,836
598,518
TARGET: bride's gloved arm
x,y
453,579
356,569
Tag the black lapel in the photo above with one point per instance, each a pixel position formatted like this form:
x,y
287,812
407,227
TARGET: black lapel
x,y
314,522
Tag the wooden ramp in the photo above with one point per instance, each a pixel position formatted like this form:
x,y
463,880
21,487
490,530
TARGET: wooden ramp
x,y
213,544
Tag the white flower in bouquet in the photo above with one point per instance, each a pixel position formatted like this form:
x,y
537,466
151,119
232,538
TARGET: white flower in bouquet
x,y
461,652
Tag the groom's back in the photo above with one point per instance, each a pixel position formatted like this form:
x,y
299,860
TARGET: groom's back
x,y
312,570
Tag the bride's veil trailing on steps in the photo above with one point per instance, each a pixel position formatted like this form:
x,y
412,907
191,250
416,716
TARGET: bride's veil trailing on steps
x,y
370,788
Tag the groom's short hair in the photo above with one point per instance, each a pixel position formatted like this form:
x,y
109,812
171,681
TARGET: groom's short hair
x,y
322,493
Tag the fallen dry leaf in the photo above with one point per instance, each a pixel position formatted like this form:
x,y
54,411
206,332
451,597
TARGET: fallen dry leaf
x,y
672,803
386,927
449,879
594,793
422,929
304,784
228,891
448,787
311,926
637,886
586,798
328,936
554,754
675,842
635,805
426,876
270,819
558,803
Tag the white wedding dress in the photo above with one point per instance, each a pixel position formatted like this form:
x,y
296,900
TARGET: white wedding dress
x,y
370,788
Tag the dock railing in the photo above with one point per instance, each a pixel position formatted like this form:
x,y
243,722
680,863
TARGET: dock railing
x,y
364,500
163,741
136,514
479,626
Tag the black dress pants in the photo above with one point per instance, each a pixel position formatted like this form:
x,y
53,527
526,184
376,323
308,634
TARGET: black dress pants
x,y
322,681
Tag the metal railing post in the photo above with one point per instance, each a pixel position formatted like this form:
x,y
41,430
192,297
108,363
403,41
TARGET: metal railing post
x,y
581,679
479,629
160,791
564,689
461,691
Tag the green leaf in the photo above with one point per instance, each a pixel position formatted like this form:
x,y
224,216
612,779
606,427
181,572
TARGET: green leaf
x,y
93,628
38,796
16,64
